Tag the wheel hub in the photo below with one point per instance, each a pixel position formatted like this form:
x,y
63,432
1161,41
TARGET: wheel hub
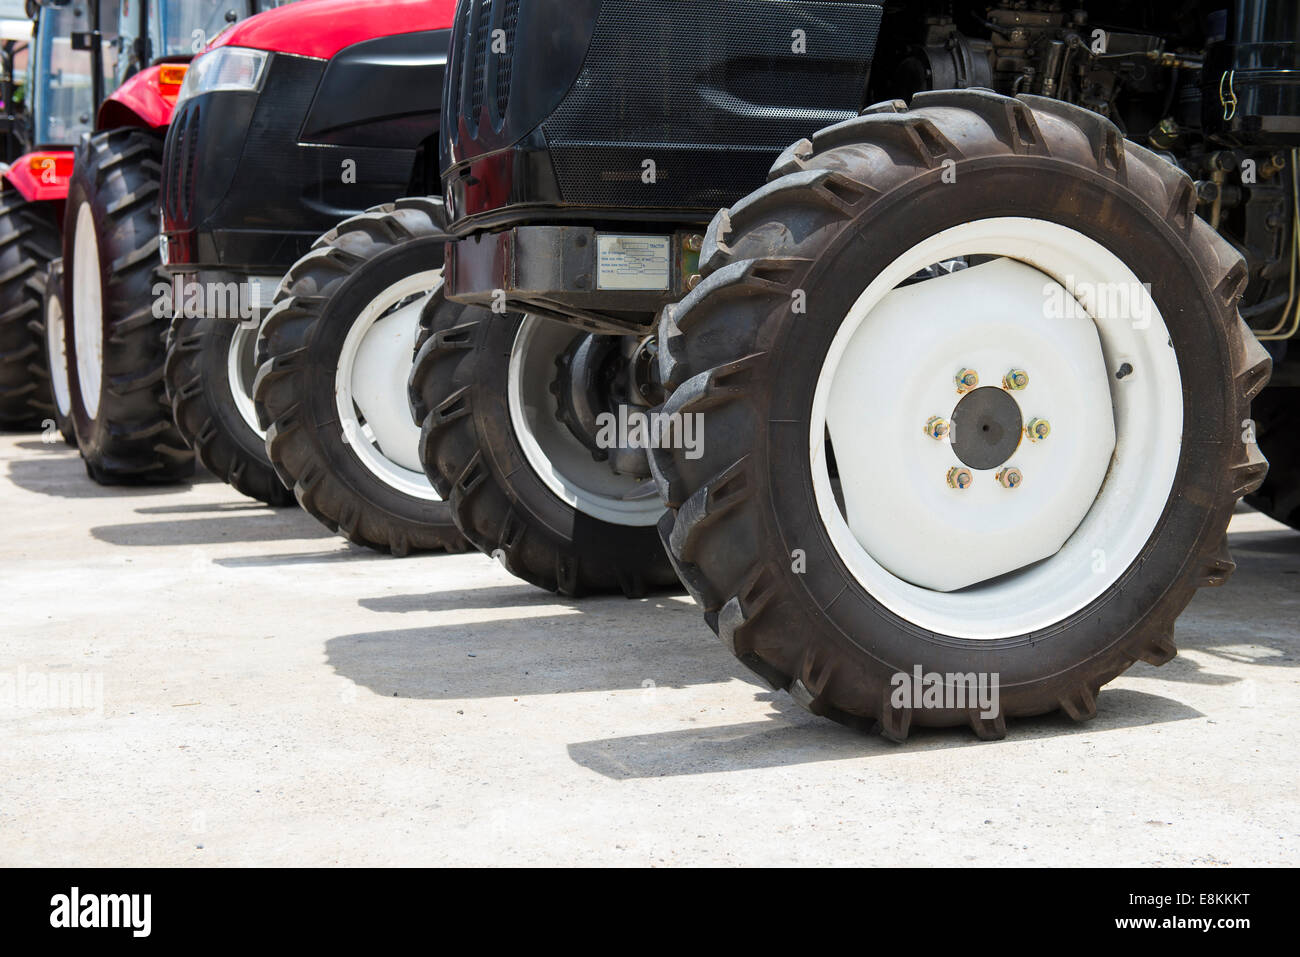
x,y
941,484
596,375
986,428
553,440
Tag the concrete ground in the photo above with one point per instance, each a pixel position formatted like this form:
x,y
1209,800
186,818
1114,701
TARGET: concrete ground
x,y
271,695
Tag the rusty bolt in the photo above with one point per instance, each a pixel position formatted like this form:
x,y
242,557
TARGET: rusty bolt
x,y
967,379
693,281
1038,429
936,428
1015,380
1010,477
694,243
959,477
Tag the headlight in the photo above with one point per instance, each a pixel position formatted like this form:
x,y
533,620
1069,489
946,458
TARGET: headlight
x,y
225,68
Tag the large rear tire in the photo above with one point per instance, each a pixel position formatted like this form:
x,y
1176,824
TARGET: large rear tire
x,y
209,377
491,445
114,324
29,240
50,333
333,356
1048,587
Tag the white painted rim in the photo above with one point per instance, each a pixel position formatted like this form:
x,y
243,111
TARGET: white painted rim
x,y
1148,420
564,464
241,370
87,311
56,348
373,367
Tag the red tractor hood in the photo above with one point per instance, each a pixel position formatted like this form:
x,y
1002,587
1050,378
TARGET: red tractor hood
x,y
321,28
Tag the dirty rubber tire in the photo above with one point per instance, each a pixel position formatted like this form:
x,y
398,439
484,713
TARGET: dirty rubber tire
x,y
298,352
124,425
1277,412
837,210
29,240
471,452
199,388
48,330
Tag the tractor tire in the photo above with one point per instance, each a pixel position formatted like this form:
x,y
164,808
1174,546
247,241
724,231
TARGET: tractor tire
x,y
204,369
29,239
114,333
471,447
325,308
806,273
1277,412
50,333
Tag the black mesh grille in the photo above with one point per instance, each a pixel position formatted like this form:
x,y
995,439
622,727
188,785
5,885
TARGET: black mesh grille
x,y
189,165
482,37
483,74
179,162
509,21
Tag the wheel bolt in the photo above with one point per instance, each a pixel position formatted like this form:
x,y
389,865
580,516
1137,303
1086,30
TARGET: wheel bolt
x,y
1015,380
936,428
693,243
967,379
1010,478
693,281
959,477
1038,429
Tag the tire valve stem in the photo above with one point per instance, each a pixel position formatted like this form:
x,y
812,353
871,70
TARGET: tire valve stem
x,y
1015,380
1010,477
960,478
936,428
1038,429
967,379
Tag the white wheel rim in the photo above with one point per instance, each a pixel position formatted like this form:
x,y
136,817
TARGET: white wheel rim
x,y
241,370
87,310
1138,477
57,350
563,463
370,385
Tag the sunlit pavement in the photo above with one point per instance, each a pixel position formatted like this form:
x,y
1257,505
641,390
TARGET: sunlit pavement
x,y
259,692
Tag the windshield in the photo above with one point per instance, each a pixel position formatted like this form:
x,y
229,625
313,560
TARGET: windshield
x,y
178,28
185,27
62,97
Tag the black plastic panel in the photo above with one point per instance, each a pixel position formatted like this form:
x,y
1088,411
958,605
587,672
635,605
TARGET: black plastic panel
x,y
711,107
242,191
710,91
383,92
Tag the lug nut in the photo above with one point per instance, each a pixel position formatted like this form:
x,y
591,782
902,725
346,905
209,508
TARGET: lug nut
x,y
694,243
1015,380
960,477
967,379
1038,429
936,428
693,281
1010,478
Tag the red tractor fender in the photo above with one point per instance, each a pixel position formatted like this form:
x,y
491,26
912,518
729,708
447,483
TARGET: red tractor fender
x,y
42,176
147,99
321,28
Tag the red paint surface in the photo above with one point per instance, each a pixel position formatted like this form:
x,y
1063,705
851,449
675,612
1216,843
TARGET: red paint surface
x,y
321,28
140,101
42,176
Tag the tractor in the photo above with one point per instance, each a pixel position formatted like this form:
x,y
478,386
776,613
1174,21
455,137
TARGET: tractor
x,y
58,98
919,341
103,342
325,209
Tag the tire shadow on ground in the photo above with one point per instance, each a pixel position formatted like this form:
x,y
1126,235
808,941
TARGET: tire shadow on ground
x,y
792,736
264,526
